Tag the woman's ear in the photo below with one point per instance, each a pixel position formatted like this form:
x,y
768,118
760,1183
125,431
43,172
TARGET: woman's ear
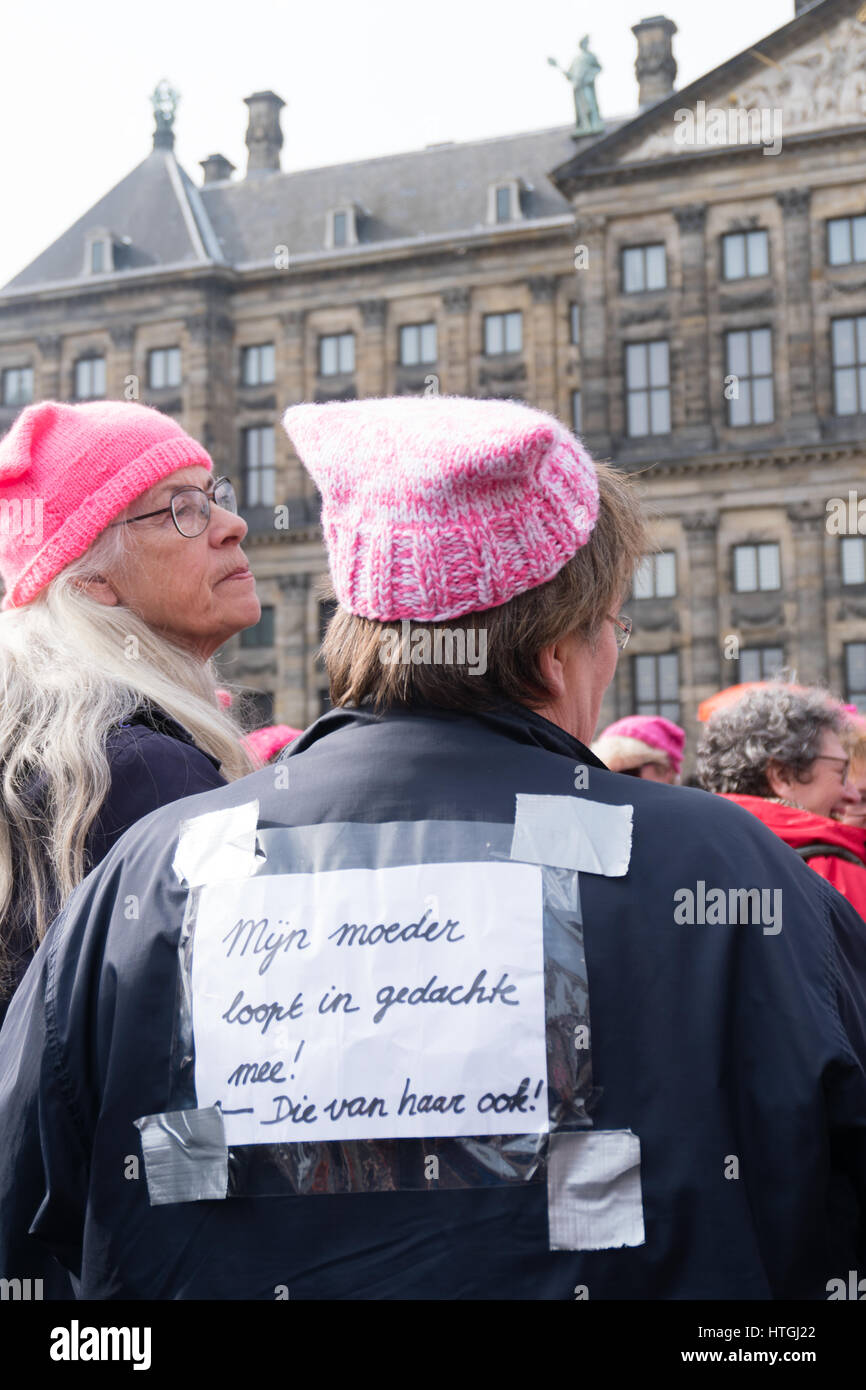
x,y
778,780
99,589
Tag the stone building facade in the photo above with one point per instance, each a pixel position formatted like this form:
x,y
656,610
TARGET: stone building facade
x,y
687,289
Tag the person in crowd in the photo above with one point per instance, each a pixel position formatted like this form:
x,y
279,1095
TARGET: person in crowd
x,y
114,604
643,745
779,753
854,741
671,1043
267,743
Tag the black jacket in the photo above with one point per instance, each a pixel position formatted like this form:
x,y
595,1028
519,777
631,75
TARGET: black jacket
x,y
153,760
710,1042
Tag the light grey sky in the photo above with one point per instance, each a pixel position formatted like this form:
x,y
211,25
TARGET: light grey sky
x,y
360,77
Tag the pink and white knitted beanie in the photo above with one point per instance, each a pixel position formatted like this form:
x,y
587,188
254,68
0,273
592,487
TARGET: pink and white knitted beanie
x,y
638,739
435,507
66,471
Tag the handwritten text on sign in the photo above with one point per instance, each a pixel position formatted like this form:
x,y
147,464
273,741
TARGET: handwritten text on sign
x,y
372,1003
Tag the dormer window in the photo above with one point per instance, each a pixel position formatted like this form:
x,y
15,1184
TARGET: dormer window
x,y
99,253
503,201
341,228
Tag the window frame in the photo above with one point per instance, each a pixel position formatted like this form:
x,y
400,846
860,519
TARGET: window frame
x,y
165,354
648,389
338,339
757,546
78,364
747,275
503,315
261,470
659,703
642,248
12,401
420,360
247,351
750,377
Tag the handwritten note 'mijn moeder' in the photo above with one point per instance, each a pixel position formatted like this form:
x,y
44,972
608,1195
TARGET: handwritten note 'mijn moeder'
x,y
372,1003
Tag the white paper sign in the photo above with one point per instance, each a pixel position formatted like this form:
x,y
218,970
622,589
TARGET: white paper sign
x,y
372,1003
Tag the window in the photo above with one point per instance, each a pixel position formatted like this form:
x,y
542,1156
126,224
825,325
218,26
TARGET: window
x,y
336,354
648,395
657,685
262,634
17,385
855,674
643,268
749,384
575,323
848,350
257,365
853,560
341,229
760,663
163,367
656,576
576,421
259,470
503,203
97,256
503,333
417,343
745,255
846,240
89,378
756,567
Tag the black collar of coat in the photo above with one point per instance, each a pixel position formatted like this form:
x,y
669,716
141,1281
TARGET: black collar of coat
x,y
514,721
153,716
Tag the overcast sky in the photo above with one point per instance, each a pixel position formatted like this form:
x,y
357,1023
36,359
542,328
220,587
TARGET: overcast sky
x,y
360,78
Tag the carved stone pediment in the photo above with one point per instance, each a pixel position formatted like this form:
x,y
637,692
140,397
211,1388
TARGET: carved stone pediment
x,y
646,313
499,376
654,614
820,85
762,299
757,610
851,608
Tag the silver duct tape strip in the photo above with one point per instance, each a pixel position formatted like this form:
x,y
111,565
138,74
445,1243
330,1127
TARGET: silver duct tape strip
x,y
185,1156
570,832
218,846
594,1196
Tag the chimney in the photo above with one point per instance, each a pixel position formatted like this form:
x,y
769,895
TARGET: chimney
x,y
264,138
656,66
216,168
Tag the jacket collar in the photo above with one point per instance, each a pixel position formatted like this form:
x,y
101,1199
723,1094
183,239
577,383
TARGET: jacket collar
x,y
511,720
153,716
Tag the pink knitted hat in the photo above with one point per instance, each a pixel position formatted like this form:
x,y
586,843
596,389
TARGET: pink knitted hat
x,y
638,739
434,507
66,471
264,743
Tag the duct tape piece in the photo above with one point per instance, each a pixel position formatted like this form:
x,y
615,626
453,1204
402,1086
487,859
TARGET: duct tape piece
x,y
594,1198
185,1156
569,832
218,846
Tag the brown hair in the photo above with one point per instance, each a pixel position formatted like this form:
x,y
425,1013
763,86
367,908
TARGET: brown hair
x,y
578,599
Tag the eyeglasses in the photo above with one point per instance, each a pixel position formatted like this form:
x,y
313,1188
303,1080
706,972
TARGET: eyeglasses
x,y
190,507
846,763
623,630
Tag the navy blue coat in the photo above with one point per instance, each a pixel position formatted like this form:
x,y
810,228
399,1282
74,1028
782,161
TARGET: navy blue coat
x,y
152,760
707,1041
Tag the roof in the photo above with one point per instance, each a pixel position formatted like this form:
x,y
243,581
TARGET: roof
x,y
170,222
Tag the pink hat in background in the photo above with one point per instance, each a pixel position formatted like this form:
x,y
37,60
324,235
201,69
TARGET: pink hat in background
x,y
264,743
639,739
435,507
66,471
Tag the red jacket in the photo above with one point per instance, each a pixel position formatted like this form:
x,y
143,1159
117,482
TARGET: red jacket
x,y
800,828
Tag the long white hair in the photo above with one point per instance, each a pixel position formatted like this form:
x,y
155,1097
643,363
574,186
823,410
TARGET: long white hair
x,y
71,669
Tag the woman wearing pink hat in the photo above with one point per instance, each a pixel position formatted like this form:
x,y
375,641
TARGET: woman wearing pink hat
x,y
123,573
642,745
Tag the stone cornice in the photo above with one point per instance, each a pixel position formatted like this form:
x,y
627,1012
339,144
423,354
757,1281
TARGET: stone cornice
x,y
781,457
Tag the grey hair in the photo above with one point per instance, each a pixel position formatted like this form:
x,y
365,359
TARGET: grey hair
x,y
773,724
71,669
